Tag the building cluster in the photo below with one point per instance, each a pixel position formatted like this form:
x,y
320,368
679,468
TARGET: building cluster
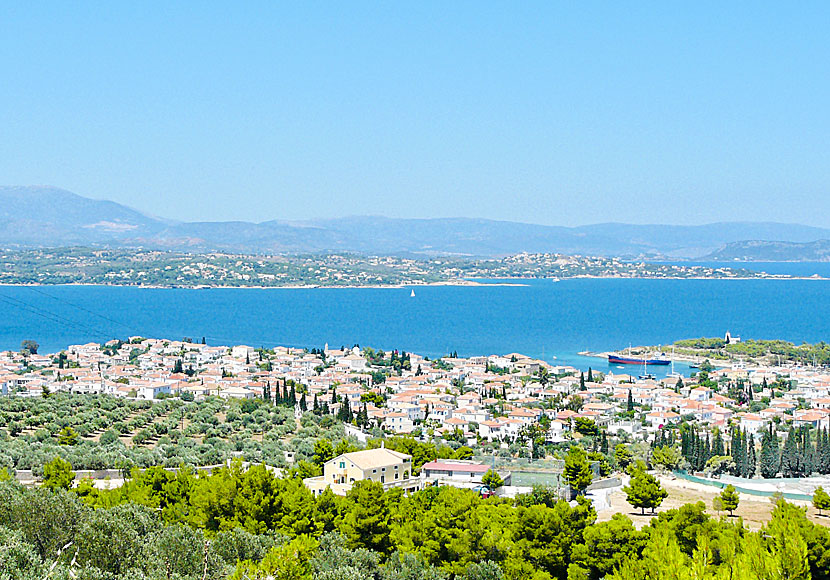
x,y
493,398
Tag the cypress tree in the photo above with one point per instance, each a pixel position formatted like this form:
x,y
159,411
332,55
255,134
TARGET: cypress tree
x,y
684,444
789,455
744,453
603,446
303,404
581,381
694,450
737,452
590,375
697,453
823,451
825,455
717,444
809,459
292,398
769,460
315,405
630,405
751,462
707,451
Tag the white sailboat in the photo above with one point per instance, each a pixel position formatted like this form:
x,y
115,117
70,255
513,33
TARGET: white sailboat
x,y
673,374
412,294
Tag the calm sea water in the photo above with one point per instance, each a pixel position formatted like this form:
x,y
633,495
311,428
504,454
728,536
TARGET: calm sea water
x,y
545,319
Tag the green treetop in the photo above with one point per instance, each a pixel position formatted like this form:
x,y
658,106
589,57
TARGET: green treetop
x,y
58,474
644,491
492,480
729,499
622,455
821,499
577,474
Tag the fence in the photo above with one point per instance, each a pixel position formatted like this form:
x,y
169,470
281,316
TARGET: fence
x,y
749,491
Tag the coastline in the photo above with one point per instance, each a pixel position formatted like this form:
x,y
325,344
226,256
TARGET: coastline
x,y
259,287
456,283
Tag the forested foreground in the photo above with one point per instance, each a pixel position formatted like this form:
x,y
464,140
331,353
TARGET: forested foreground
x,y
249,524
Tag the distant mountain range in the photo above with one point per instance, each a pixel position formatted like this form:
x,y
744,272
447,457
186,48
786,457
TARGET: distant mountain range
x,y
762,251
51,217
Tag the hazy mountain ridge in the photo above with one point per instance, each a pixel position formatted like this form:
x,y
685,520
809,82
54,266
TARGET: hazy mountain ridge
x,y
766,251
51,217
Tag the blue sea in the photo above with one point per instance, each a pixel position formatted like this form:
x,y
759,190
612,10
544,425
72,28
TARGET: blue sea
x,y
542,318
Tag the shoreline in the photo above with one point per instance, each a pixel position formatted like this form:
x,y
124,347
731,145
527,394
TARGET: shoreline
x,y
455,283
256,287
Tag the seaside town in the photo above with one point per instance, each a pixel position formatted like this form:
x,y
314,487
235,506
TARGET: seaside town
x,y
508,401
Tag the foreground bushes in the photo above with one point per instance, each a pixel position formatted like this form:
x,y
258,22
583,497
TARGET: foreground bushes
x,y
250,524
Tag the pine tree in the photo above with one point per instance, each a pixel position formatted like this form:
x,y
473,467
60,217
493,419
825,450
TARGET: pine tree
x,y
729,499
644,491
821,500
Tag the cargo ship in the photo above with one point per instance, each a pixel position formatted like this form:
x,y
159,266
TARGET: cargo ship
x,y
626,360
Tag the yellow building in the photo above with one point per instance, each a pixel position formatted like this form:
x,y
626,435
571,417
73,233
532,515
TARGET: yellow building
x,y
391,468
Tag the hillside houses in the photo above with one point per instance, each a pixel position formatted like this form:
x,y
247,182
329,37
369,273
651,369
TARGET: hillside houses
x,y
495,398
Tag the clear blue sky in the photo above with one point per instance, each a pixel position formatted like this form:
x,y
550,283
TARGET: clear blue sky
x,y
557,113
